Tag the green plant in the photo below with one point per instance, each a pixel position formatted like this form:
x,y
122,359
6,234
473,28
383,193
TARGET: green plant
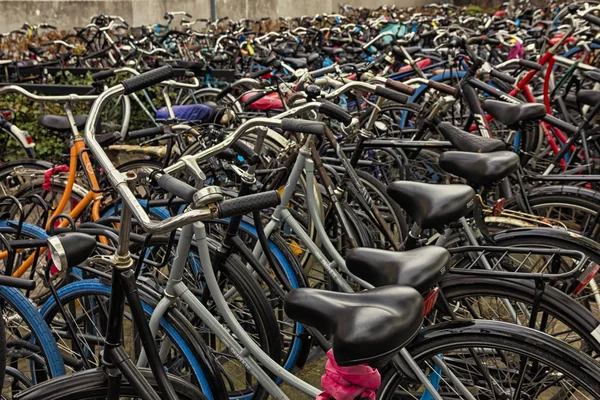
x,y
49,145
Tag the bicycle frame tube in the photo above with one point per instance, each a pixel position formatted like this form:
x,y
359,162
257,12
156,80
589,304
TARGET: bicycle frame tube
x,y
76,151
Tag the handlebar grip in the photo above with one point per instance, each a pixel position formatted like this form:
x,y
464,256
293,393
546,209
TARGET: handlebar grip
x,y
303,126
391,94
592,19
147,132
259,73
102,75
247,204
323,71
17,283
177,187
147,79
224,92
245,151
441,87
530,64
399,87
503,77
334,111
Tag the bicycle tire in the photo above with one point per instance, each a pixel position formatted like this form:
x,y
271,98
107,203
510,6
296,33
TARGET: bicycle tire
x,y
173,324
557,304
42,335
531,344
92,384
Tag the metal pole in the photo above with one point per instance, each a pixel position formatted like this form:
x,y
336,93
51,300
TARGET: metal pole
x,y
213,10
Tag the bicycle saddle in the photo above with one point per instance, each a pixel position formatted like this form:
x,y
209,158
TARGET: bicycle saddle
x,y
480,169
511,114
588,97
367,327
421,268
296,63
61,122
433,206
310,57
332,51
410,50
593,75
465,141
268,60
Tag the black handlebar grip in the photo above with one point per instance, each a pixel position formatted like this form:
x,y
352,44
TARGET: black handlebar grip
x,y
247,204
334,111
147,132
503,77
259,73
400,87
303,126
102,75
572,8
245,151
253,98
391,94
147,79
323,71
592,19
17,283
530,64
177,187
224,92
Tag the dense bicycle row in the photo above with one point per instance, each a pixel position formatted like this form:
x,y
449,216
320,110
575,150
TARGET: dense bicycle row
x,y
413,196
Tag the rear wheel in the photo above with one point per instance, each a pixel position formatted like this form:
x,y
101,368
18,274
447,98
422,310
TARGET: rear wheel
x,y
495,360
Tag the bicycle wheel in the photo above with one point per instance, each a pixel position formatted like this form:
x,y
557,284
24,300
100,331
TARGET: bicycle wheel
x,y
247,301
30,345
86,304
576,207
389,209
495,360
554,239
473,297
93,384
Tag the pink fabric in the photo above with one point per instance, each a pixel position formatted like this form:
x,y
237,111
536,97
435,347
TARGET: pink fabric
x,y
517,51
348,383
47,185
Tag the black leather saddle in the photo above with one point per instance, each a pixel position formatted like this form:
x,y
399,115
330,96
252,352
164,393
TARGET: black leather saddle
x,y
284,50
310,57
593,75
266,61
465,141
296,63
61,122
480,169
588,97
332,51
433,206
511,114
367,327
421,268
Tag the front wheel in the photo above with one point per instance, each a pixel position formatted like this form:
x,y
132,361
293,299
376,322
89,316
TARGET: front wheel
x,y
93,384
494,360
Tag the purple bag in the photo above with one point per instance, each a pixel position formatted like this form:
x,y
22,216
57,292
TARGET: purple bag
x,y
188,112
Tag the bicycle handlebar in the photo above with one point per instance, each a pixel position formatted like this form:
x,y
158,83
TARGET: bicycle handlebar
x,y
119,181
54,98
